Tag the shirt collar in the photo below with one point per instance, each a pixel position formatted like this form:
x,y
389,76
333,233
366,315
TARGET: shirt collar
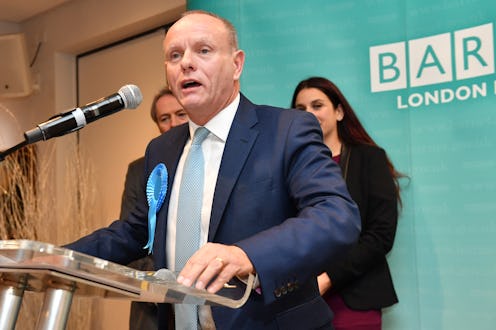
x,y
221,123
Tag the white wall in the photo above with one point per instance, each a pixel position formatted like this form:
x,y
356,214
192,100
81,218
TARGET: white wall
x,y
74,28
8,27
113,142
66,31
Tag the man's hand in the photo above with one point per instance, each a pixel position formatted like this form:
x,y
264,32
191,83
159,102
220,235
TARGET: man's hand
x,y
325,283
217,263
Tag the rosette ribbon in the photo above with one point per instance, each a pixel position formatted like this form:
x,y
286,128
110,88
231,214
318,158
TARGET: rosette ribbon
x,y
156,189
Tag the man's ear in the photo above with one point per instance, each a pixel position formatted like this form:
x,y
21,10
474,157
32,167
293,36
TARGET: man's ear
x,y
239,61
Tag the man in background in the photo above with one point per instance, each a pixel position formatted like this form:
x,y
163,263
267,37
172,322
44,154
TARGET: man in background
x,y
166,112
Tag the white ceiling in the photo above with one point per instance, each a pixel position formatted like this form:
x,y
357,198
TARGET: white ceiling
x,y
16,11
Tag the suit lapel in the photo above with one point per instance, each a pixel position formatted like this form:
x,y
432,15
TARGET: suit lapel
x,y
239,142
173,152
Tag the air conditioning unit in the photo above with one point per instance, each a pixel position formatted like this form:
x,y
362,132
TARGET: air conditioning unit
x,y
15,74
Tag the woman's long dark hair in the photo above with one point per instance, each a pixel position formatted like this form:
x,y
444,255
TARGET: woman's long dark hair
x,y
350,129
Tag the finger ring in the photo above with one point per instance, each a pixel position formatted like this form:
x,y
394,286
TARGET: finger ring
x,y
219,259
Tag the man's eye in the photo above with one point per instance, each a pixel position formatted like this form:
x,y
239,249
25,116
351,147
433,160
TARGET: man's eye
x,y
174,56
204,50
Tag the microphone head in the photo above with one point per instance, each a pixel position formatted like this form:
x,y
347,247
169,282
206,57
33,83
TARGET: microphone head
x,y
131,95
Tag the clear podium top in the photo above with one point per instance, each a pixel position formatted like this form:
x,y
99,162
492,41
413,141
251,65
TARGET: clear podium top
x,y
37,266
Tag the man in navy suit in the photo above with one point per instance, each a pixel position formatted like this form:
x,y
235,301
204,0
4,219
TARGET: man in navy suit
x,y
274,203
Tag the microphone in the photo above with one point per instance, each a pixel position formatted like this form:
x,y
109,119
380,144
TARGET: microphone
x,y
128,97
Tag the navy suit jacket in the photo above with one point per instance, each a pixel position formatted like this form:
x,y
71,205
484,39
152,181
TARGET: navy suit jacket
x,y
278,196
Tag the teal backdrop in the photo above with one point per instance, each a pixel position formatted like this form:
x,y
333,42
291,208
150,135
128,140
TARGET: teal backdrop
x,y
420,75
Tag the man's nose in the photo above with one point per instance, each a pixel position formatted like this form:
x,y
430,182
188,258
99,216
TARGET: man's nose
x,y
174,121
187,61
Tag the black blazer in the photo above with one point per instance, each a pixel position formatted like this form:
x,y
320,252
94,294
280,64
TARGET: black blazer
x,y
133,186
362,278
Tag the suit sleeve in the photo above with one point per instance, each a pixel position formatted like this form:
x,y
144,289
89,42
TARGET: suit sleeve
x,y
324,221
123,240
378,205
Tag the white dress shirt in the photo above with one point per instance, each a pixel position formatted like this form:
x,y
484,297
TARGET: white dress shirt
x,y
213,149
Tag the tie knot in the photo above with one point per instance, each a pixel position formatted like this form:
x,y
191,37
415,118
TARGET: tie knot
x,y
200,134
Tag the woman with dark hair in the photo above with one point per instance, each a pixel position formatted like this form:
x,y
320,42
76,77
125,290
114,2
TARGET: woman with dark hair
x,y
359,285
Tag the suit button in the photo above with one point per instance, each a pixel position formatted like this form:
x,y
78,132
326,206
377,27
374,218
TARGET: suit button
x,y
284,290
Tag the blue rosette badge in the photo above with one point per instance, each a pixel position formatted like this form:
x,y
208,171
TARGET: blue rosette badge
x,y
156,189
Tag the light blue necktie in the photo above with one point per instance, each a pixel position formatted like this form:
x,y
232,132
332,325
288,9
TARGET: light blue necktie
x,y
189,220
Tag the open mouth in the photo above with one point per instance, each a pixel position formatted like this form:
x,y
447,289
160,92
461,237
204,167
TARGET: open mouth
x,y
190,84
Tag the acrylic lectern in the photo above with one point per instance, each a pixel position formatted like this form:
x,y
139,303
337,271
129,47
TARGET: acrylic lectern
x,y
60,274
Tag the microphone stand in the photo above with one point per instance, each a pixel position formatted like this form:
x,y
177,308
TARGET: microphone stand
x,y
30,137
7,152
